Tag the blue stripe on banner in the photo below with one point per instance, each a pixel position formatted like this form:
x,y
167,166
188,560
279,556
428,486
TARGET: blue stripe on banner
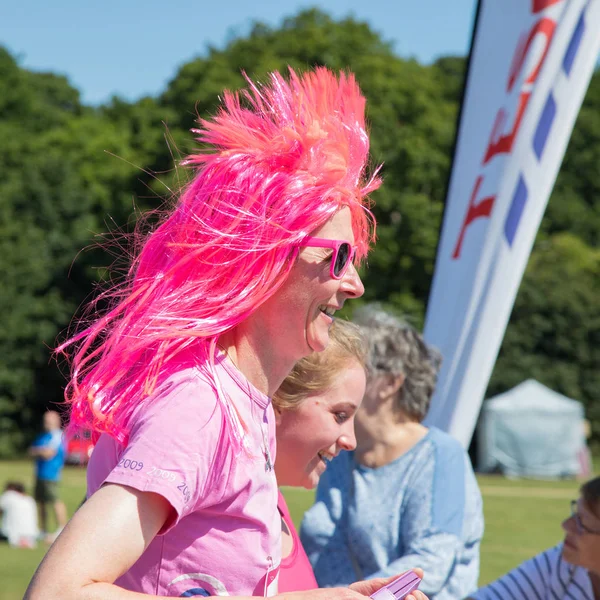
x,y
573,45
515,211
544,125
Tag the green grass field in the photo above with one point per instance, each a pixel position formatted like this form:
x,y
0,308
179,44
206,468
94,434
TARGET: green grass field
x,y
521,518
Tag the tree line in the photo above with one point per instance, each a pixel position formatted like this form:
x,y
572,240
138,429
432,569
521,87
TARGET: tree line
x,y
72,174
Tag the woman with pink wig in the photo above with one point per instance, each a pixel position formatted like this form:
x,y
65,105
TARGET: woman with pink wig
x,y
235,284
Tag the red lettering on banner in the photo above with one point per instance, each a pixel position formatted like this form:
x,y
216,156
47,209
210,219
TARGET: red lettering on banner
x,y
539,5
475,211
503,143
544,26
500,144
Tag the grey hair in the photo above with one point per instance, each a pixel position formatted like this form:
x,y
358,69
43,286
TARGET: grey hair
x,y
398,349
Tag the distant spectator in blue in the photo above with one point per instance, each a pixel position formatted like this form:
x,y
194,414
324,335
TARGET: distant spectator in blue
x,y
49,451
407,496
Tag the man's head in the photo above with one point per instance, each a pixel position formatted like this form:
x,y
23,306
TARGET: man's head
x,y
14,486
52,421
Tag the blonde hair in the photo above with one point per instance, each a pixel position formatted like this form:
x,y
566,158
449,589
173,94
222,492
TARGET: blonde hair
x,y
316,373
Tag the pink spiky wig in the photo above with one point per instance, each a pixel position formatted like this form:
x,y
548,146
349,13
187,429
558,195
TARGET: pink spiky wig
x,y
282,159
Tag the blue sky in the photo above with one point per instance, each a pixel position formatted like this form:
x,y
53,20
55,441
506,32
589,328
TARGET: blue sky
x,y
133,47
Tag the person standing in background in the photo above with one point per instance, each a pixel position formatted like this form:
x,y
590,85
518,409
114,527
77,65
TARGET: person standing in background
x,y
49,453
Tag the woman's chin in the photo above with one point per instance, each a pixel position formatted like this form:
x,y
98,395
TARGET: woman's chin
x,y
569,553
312,481
318,334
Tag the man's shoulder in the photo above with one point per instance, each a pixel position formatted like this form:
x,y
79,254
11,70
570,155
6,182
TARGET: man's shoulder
x,y
42,439
55,439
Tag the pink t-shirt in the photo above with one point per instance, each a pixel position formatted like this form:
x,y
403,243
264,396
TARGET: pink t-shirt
x,y
296,573
225,538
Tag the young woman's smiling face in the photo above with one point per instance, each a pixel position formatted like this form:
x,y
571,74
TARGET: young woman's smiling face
x,y
318,429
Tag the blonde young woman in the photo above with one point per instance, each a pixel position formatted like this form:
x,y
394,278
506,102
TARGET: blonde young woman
x,y
314,411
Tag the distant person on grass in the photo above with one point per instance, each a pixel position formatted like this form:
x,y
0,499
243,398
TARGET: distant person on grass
x,y
570,569
49,451
19,525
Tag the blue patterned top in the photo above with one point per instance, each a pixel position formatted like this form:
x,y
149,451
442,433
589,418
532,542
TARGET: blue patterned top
x,y
424,509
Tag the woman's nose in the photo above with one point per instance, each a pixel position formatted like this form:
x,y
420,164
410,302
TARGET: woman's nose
x,y
347,441
352,284
569,525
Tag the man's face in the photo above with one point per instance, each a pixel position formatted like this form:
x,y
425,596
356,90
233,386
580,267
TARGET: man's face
x,y
51,421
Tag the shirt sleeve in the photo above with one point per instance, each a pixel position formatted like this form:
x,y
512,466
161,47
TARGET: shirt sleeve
x,y
323,531
56,441
432,517
52,441
529,580
173,447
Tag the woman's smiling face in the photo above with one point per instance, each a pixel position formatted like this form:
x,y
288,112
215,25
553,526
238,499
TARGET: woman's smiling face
x,y
322,425
298,317
582,537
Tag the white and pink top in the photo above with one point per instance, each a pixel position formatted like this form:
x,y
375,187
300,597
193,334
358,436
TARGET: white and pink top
x,y
224,537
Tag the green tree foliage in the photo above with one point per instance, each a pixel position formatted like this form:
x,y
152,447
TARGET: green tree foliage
x,y
308,39
58,187
69,172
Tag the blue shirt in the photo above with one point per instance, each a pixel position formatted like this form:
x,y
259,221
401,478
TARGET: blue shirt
x,y
423,509
49,469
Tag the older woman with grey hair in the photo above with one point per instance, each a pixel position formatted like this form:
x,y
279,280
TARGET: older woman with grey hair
x,y
407,495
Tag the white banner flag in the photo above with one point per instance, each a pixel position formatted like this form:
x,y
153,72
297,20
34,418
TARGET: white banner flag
x,y
530,67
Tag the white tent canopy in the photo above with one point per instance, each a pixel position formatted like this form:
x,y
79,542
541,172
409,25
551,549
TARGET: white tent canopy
x,y
531,431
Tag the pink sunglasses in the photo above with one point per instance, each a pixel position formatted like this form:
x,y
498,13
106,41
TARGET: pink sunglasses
x,y
343,253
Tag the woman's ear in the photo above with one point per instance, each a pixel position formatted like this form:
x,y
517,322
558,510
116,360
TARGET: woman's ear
x,y
391,387
278,415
